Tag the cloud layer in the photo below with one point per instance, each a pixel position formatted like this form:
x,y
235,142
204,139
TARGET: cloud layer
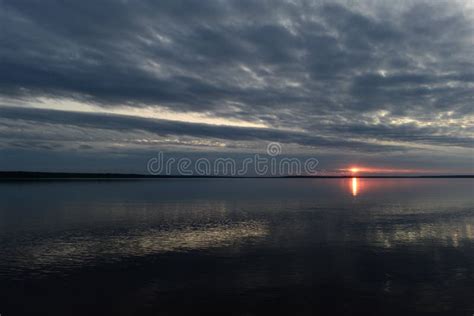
x,y
331,76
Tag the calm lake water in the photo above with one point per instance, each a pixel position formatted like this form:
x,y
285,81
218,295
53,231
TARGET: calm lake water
x,y
237,247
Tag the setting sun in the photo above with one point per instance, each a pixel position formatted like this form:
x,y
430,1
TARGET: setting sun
x,y
354,170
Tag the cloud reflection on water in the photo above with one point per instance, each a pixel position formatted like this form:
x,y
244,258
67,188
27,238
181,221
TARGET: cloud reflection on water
x,y
65,251
64,232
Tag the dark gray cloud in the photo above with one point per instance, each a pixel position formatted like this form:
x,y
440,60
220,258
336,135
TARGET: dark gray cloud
x,y
166,128
188,54
359,76
345,137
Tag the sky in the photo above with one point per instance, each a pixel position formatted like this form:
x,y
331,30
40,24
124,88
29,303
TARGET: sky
x,y
102,86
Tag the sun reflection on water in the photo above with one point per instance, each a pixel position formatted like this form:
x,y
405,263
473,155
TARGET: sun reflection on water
x,y
355,186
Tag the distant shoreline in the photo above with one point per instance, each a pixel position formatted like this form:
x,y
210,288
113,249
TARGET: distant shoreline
x,y
27,175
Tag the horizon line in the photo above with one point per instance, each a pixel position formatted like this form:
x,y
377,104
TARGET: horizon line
x,y
41,175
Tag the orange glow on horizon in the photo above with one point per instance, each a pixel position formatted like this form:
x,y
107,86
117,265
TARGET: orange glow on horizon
x,y
384,170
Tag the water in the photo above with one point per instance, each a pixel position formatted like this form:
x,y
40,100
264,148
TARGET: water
x,y
237,247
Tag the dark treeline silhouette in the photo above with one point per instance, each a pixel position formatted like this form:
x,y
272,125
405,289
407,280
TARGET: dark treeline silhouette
x,y
26,175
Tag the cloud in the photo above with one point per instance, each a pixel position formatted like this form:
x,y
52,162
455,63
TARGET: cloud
x,y
117,127
51,119
352,76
